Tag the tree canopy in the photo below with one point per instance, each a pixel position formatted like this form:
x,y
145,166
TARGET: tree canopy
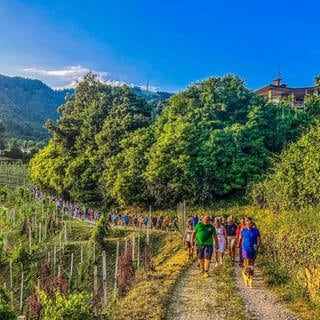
x,y
212,140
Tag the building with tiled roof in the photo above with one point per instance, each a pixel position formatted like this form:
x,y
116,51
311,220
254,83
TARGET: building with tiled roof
x,y
278,92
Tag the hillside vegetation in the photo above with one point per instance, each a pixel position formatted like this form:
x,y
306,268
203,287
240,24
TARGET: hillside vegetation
x,y
26,104
51,266
215,140
210,142
290,194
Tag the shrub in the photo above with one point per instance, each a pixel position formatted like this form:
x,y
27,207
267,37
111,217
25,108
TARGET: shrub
x,y
6,313
101,230
75,307
21,254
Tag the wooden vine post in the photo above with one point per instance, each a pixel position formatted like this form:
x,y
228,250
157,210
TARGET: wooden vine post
x,y
138,253
30,239
95,288
133,245
21,288
71,268
54,259
104,277
116,269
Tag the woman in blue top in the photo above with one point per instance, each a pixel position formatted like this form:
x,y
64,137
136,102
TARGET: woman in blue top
x,y
250,240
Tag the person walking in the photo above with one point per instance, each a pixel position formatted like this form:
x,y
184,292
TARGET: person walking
x,y
222,239
250,240
204,234
167,223
231,229
195,219
241,226
187,238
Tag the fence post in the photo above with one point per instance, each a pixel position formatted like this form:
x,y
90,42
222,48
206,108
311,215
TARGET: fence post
x,y
71,268
95,288
104,278
133,245
21,291
116,269
54,259
30,239
138,253
39,232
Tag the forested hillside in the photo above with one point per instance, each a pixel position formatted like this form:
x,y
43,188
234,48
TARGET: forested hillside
x,y
211,141
26,104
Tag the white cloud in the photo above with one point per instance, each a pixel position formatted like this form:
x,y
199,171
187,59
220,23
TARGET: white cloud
x,y
63,78
70,76
72,71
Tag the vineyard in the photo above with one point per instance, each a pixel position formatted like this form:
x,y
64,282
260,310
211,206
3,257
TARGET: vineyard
x,y
44,250
13,174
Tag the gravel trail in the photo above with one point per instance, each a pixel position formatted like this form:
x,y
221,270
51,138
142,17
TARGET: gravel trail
x,y
197,298
193,298
260,301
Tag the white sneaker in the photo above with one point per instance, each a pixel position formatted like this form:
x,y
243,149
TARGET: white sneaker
x,y
216,264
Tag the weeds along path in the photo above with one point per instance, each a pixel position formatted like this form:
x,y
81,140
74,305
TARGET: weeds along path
x,y
215,298
260,301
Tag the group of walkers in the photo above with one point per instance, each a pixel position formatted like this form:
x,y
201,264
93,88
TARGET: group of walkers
x,y
210,237
143,221
213,237
115,218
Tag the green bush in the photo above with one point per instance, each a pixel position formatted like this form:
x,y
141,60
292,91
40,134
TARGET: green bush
x,y
21,254
294,181
291,247
101,230
6,313
74,307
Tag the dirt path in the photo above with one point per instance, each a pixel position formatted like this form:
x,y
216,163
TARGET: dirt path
x,y
193,298
223,296
260,301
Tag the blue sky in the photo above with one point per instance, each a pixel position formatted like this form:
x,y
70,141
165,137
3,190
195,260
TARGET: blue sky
x,y
168,43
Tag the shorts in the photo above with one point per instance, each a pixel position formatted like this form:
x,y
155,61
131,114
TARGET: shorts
x,y
188,245
205,252
249,253
231,241
222,246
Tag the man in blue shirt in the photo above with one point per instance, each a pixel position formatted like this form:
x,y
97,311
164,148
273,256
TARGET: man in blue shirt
x,y
195,220
126,219
250,240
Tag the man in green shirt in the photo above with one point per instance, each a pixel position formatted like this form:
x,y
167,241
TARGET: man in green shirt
x,y
204,234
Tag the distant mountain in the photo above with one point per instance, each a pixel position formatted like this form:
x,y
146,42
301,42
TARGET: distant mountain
x,y
151,95
26,104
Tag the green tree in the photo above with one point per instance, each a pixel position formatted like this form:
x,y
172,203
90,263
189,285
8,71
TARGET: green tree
x,y
185,161
312,105
124,180
93,122
294,180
